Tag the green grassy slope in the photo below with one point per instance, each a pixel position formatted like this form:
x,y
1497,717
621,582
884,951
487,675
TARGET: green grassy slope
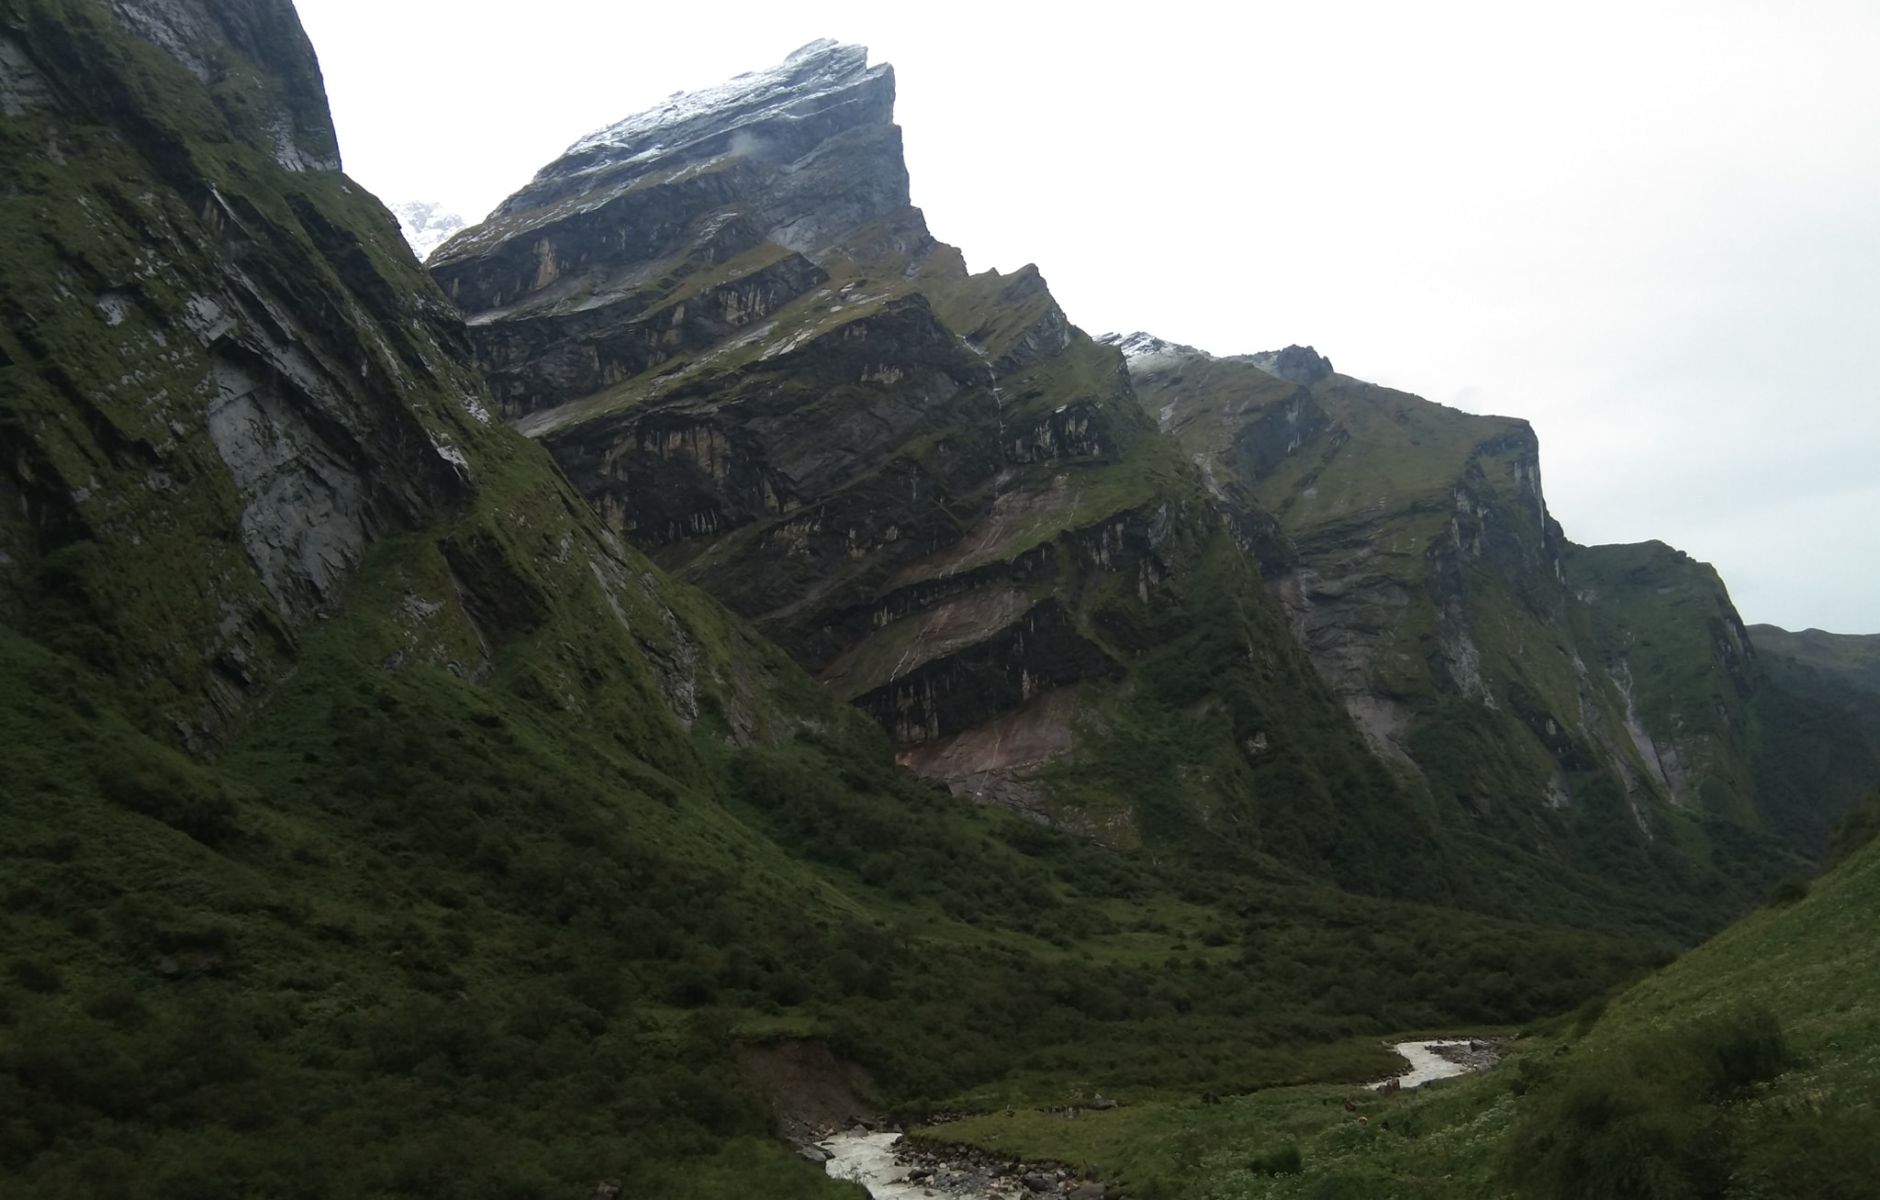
x,y
1742,1070
1811,960
411,913
1756,736
1819,718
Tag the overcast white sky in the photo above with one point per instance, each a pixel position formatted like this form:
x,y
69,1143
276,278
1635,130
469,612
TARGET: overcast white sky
x,y
1651,228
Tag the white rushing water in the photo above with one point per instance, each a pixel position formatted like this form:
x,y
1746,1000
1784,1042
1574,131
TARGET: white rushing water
x,y
1426,1066
868,1159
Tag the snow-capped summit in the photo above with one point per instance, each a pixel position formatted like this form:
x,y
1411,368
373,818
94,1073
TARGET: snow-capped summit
x,y
809,146
801,85
1147,352
425,225
1138,346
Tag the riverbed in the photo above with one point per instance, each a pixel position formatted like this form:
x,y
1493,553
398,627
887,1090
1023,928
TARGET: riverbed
x,y
868,1157
1428,1064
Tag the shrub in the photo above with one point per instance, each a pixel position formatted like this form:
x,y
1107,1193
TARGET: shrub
x,y
1645,1121
1280,1160
1588,1015
1787,892
173,794
34,975
1739,1049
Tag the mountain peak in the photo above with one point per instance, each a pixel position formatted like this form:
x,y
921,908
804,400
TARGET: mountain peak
x,y
803,85
426,225
1139,346
1294,364
811,142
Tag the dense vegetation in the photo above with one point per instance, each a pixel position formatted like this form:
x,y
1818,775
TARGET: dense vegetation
x,y
471,870
407,912
1742,1071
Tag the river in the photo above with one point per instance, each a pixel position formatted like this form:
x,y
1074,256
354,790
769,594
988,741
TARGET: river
x,y
1427,1066
868,1158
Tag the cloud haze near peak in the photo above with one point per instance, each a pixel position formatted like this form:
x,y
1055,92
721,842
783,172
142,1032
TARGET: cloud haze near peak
x,y
1653,229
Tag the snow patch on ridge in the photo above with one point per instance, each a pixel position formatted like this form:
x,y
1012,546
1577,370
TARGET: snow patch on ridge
x,y
1141,349
793,87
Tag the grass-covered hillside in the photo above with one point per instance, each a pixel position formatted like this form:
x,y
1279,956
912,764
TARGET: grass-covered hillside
x,y
1835,727
505,955
1742,1071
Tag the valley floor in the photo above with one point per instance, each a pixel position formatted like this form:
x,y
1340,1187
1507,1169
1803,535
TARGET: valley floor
x,y
995,1157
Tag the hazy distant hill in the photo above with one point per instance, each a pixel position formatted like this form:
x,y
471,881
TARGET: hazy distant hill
x,y
1848,658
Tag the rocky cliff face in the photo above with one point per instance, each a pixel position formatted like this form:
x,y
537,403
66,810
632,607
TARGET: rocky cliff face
x,y
1476,646
731,329
1394,508
727,323
228,384
345,745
